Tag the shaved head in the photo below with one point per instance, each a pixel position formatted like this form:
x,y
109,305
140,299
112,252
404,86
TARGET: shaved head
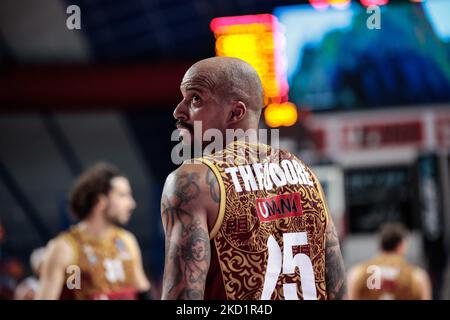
x,y
219,93
230,79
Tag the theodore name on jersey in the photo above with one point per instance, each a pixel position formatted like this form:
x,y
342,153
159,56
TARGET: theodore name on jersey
x,y
264,176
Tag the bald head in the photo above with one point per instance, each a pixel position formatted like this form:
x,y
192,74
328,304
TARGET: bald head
x,y
230,79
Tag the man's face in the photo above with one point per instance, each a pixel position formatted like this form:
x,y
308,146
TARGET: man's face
x,y
201,102
120,201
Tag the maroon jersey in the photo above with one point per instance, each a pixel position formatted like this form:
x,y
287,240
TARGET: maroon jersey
x,y
396,279
105,267
269,238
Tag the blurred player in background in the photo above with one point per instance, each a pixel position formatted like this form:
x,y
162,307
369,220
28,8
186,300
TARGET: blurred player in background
x,y
389,276
229,222
28,289
96,258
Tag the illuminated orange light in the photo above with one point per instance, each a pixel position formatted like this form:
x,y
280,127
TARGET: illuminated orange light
x,y
267,43
290,114
284,114
244,46
238,41
255,39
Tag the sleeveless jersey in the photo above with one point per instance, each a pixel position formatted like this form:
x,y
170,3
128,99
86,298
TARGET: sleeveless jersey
x,y
105,267
396,279
269,238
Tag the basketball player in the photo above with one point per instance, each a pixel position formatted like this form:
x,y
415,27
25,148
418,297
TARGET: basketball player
x,y
96,259
389,276
243,228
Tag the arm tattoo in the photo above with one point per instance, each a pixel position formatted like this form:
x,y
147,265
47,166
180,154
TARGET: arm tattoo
x,y
211,180
186,189
187,242
334,265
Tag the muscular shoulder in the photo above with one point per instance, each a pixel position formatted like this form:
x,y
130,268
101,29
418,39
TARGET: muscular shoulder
x,y
355,280
188,184
192,188
127,235
60,251
423,284
129,238
356,272
420,275
187,175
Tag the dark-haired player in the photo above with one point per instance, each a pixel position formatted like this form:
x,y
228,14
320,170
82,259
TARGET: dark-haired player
x,y
388,276
96,258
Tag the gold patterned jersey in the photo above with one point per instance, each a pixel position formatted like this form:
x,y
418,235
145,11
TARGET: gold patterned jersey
x,y
105,267
387,277
269,238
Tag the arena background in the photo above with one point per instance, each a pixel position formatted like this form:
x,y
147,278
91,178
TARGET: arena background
x,y
372,114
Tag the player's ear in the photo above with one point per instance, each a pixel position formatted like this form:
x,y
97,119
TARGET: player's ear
x,y
237,112
102,202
